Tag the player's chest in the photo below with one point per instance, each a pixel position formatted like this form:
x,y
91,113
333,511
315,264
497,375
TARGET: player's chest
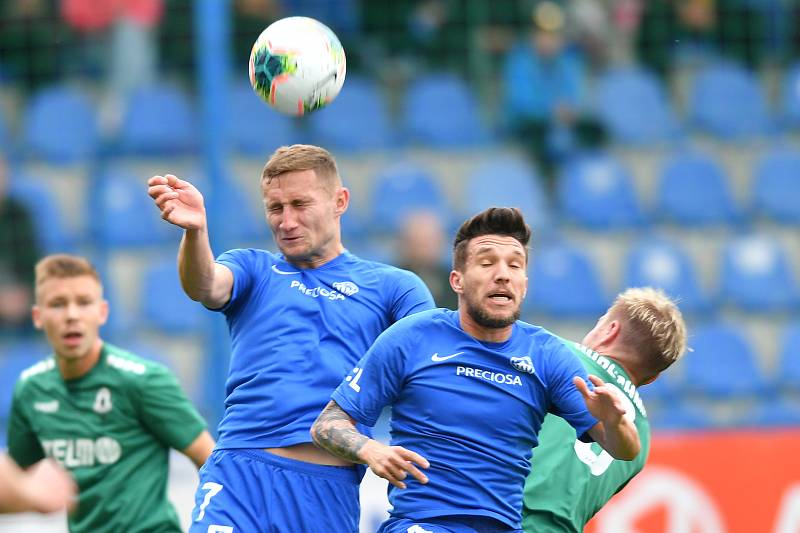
x,y
486,379
91,412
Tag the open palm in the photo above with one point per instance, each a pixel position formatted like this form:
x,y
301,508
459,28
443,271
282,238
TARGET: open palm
x,y
178,200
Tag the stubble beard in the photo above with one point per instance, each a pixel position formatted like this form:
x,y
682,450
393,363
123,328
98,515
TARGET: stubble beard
x,y
485,320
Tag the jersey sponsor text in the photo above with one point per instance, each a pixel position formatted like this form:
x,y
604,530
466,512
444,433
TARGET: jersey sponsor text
x,y
496,377
73,453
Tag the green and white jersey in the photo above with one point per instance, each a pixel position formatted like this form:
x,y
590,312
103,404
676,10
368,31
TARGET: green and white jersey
x,y
571,480
112,429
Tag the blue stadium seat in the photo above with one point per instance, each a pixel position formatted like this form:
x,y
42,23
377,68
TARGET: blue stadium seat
x,y
126,216
655,262
400,190
255,129
240,220
596,191
342,16
564,283
680,417
15,357
723,364
158,120
726,101
788,373
756,275
776,186
440,111
358,120
693,190
509,182
625,96
791,96
164,305
773,415
61,126
52,230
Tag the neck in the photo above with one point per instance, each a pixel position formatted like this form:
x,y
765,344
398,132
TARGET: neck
x,y
316,261
76,368
482,332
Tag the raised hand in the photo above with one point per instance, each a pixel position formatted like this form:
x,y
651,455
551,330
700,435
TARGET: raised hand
x,y
603,402
393,463
178,200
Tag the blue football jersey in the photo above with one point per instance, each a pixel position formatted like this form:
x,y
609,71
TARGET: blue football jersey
x,y
295,333
471,408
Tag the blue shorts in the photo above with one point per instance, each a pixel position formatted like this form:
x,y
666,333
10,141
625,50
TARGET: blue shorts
x,y
253,491
446,524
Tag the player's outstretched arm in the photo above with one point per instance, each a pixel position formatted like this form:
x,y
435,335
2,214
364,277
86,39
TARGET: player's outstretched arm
x,y
181,204
44,488
615,432
335,431
200,448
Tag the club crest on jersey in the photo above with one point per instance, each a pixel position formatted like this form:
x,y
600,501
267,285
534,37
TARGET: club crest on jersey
x,y
348,288
102,402
523,364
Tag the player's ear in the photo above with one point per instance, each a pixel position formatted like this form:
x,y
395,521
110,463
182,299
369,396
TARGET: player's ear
x,y
36,316
456,282
342,200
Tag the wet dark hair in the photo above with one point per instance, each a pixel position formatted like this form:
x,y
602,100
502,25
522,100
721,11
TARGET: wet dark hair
x,y
493,221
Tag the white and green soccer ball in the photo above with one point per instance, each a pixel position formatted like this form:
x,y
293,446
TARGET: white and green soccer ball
x,y
297,65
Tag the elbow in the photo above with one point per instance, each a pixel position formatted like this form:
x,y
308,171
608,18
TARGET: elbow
x,y
316,433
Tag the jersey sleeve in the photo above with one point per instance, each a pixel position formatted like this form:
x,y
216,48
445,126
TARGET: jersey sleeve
x,y
242,264
166,411
23,445
411,295
375,382
565,399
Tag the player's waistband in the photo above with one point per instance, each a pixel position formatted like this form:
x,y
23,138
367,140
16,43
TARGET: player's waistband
x,y
341,473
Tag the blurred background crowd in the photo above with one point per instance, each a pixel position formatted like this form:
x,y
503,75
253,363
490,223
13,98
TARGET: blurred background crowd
x,y
647,141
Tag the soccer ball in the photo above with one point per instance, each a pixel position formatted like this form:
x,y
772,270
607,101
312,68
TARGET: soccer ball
x,y
297,65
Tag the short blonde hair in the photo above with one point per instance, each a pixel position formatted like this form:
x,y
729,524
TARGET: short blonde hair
x,y
653,326
62,266
302,157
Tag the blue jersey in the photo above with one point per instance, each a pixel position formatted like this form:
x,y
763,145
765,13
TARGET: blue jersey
x,y
295,333
471,408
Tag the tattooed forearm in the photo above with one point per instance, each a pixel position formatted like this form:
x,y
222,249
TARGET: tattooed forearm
x,y
335,431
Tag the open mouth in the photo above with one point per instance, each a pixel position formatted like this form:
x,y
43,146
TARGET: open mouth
x,y
72,338
500,297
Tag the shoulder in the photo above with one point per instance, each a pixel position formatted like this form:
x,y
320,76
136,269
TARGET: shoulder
x,y
426,322
541,337
389,276
39,372
130,366
253,256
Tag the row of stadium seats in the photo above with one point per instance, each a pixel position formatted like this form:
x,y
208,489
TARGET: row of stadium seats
x,y
726,101
596,192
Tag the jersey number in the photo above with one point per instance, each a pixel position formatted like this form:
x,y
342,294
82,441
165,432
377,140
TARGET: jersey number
x,y
598,463
213,489
354,380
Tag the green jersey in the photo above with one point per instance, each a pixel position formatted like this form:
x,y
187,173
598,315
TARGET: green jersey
x,y
571,480
112,429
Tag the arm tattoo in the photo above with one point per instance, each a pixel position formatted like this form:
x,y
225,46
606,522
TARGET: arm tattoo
x,y
336,432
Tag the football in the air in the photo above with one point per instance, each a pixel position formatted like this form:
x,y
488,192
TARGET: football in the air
x,y
297,65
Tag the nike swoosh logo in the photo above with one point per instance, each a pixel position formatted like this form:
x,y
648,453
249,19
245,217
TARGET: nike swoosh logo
x,y
279,271
437,358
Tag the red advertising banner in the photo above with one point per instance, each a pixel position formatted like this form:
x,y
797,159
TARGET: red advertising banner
x,y
721,482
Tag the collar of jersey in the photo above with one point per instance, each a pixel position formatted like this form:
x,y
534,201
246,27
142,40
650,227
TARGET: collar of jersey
x,y
341,258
